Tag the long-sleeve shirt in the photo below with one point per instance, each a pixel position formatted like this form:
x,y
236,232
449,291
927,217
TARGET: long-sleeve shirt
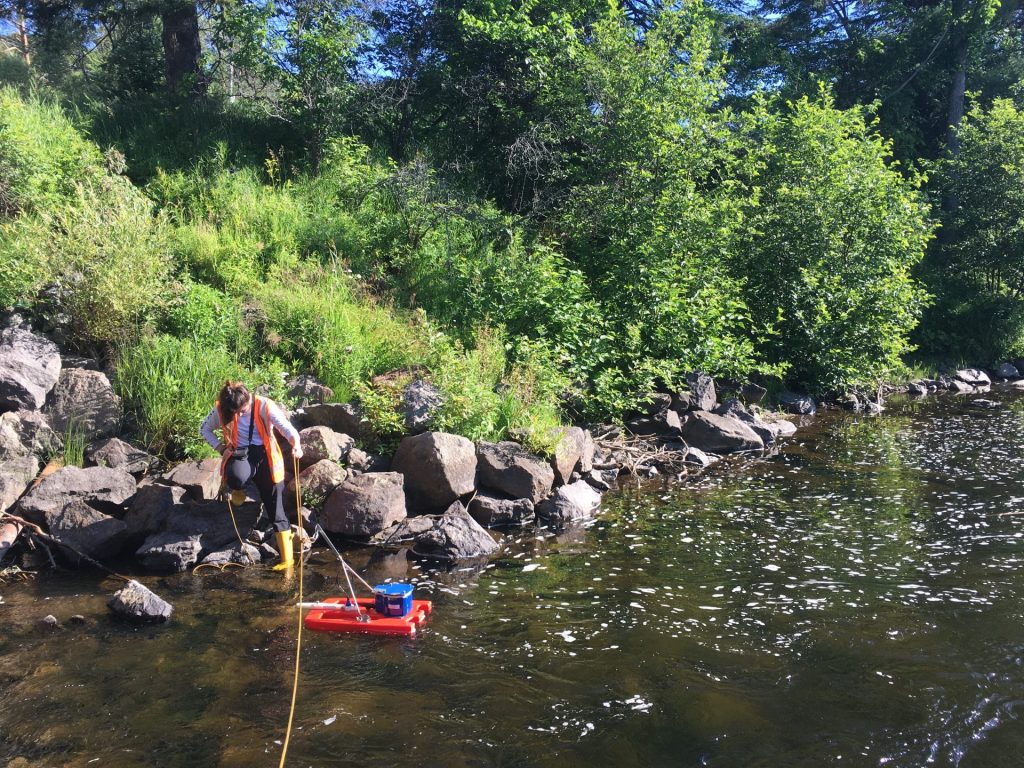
x,y
277,418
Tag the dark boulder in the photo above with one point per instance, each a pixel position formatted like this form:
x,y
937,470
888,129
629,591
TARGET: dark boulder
x,y
455,536
573,453
152,507
974,377
169,552
84,401
654,403
1007,371
361,461
102,488
307,390
365,505
703,396
802,405
137,603
720,434
86,531
664,424
511,469
495,511
752,393
420,402
341,417
243,554
438,468
569,504
29,369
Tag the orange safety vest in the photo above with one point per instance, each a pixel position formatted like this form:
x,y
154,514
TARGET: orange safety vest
x,y
266,429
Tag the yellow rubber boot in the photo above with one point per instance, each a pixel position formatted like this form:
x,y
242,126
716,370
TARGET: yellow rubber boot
x,y
285,545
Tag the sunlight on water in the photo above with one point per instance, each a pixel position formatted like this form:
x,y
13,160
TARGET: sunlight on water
x,y
853,600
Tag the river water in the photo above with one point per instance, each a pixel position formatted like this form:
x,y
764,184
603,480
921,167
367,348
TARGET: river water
x,y
854,600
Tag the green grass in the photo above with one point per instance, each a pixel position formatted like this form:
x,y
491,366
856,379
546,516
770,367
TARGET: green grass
x,y
74,445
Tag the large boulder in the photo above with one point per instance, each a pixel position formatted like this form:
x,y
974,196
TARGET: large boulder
x,y
439,468
495,511
212,523
703,396
1007,371
420,402
341,417
455,536
16,475
84,401
201,479
137,603
365,504
720,434
511,469
36,433
323,443
974,377
752,393
308,390
664,424
118,454
84,530
317,481
29,369
242,554
569,504
152,507
102,488
574,453
801,405
169,552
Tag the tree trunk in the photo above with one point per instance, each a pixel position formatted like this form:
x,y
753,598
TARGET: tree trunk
x,y
954,115
19,22
182,48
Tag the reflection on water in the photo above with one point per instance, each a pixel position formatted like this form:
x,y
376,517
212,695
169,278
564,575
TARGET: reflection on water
x,y
854,600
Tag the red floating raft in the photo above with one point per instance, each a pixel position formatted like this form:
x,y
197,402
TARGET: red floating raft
x,y
347,619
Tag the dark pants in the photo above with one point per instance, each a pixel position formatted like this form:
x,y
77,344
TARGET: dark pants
x,y
256,468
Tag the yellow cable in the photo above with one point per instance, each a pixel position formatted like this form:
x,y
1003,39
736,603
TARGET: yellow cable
x,y
298,608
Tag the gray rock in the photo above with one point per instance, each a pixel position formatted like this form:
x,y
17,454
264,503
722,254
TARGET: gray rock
x,y
118,454
961,387
799,404
29,369
84,400
698,457
243,554
654,403
11,446
571,454
323,443
420,402
169,552
211,522
702,391
682,402
404,530
753,393
570,503
200,479
308,390
103,488
873,408
1019,384
917,389
492,511
1007,371
319,480
665,424
137,603
37,435
341,417
783,428
152,507
15,477
48,623
511,469
601,480
720,434
361,461
82,528
455,536
975,377
438,468
365,505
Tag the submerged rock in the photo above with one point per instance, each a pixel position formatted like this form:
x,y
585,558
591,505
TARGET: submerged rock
x,y
137,603
494,511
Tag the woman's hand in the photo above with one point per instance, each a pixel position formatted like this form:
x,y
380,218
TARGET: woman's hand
x,y
297,451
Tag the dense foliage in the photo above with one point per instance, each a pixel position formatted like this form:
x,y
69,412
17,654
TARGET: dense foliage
x,y
552,206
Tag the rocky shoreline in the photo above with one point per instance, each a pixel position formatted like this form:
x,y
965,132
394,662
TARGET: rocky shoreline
x,y
440,496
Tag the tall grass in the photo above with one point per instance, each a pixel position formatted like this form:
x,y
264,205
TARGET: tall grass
x,y
74,445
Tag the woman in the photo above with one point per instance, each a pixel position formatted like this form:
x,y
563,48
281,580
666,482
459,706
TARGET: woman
x,y
250,450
